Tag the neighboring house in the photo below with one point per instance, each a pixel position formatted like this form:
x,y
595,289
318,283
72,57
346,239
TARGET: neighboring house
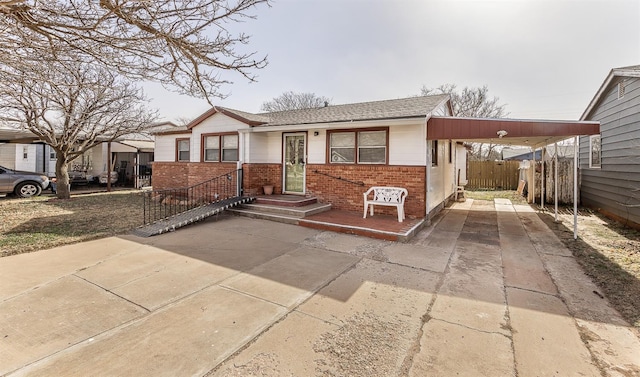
x,y
131,156
520,154
610,160
334,153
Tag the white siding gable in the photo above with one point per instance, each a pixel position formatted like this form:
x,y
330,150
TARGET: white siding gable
x,y
217,123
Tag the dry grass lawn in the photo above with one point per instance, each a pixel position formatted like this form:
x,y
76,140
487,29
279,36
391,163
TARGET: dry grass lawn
x,y
44,222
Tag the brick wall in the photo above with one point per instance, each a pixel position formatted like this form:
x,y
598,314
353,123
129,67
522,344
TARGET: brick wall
x,y
183,174
342,195
258,175
347,196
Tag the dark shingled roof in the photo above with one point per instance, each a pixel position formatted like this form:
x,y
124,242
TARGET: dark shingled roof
x,y
411,107
376,110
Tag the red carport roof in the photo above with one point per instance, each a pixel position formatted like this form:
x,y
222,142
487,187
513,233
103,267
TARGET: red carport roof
x,y
532,133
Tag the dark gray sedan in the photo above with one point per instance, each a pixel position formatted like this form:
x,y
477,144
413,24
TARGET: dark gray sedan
x,y
22,183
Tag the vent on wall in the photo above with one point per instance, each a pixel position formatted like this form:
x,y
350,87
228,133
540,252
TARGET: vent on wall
x,y
620,89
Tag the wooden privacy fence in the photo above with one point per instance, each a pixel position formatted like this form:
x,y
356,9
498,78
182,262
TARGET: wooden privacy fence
x,y
492,175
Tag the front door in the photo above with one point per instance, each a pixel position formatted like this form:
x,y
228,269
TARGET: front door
x,y
294,153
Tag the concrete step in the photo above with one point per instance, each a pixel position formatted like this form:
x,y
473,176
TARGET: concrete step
x,y
298,212
264,216
286,200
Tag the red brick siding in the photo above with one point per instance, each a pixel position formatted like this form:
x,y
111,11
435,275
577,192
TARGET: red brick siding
x,y
342,195
258,175
183,174
347,196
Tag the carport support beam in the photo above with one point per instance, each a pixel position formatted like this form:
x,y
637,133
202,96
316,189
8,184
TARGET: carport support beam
x,y
575,188
555,181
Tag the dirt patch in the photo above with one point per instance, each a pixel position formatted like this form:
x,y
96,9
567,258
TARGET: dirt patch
x,y
365,346
608,252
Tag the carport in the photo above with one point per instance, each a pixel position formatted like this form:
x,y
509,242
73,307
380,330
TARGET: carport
x,y
529,133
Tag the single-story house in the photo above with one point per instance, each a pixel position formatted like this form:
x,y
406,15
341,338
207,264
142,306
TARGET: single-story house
x,y
610,160
337,152
334,153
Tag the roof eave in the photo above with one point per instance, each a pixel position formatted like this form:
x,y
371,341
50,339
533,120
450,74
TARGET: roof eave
x,y
616,72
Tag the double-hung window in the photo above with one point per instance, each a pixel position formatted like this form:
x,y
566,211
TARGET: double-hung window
x,y
182,150
220,148
358,147
595,151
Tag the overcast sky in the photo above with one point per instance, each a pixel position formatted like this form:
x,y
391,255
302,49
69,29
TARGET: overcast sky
x,y
544,59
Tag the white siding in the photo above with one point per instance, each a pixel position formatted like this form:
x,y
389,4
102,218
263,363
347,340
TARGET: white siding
x,y
165,146
317,149
461,162
407,145
264,147
449,168
29,163
435,185
8,155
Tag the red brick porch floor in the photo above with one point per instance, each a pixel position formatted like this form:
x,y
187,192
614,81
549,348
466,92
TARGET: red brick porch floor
x,y
378,226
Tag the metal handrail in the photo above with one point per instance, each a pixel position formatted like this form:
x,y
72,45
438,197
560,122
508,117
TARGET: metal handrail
x,y
359,183
165,203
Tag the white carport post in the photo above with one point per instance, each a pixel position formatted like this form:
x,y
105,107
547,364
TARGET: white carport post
x,y
533,176
555,181
575,188
542,178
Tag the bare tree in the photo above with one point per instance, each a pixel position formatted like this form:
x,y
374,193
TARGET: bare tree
x,y
72,108
473,103
183,44
293,101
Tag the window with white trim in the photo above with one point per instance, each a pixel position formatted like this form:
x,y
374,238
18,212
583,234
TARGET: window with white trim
x,y
595,151
358,147
25,153
221,147
182,150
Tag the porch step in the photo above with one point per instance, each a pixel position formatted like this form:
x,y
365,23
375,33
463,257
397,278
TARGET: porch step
x,y
298,212
189,217
286,200
283,214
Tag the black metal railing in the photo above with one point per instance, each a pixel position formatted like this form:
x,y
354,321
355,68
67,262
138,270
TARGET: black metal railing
x,y
359,183
162,204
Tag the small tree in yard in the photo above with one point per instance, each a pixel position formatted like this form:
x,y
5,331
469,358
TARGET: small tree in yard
x,y
473,103
295,101
72,107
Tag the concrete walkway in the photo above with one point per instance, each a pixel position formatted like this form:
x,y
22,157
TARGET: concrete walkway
x,y
488,290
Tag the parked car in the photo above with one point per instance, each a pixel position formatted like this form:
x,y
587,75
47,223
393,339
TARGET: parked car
x,y
78,178
103,177
22,183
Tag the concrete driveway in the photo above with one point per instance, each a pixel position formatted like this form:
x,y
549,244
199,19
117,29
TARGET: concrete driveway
x,y
488,290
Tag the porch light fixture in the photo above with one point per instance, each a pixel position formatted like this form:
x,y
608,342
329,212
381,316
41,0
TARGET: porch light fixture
x,y
316,133
502,133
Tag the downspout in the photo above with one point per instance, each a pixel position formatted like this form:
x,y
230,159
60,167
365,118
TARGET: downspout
x,y
427,167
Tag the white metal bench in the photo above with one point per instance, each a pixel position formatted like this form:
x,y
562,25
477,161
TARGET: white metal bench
x,y
386,196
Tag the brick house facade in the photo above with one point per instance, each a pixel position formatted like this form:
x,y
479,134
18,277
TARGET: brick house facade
x,y
334,153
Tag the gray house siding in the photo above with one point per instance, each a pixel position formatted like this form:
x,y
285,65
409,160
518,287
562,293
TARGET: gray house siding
x,y
614,188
